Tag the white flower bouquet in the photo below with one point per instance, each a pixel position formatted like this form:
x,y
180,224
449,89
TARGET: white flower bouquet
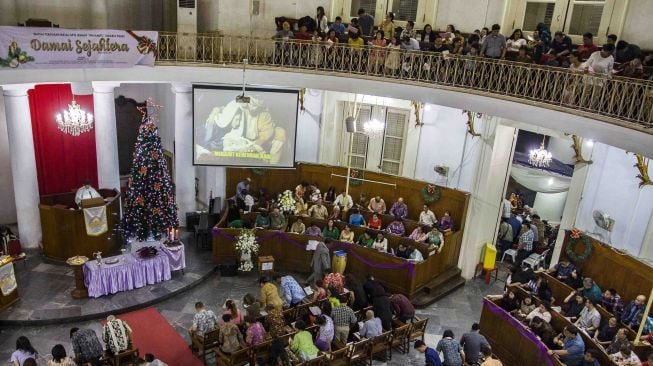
x,y
247,245
287,203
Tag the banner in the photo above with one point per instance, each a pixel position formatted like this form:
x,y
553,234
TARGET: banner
x,y
58,48
7,279
95,219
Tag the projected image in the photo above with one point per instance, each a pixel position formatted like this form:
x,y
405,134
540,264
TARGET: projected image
x,y
259,132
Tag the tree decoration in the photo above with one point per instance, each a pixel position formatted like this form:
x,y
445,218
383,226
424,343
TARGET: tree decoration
x,y
642,167
470,122
246,245
150,207
355,177
578,150
430,193
577,238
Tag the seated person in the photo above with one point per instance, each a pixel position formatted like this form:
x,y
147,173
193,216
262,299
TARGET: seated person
x,y
380,243
576,304
231,339
399,209
302,343
445,224
375,222
607,333
543,331
285,33
330,231
527,306
372,326
277,220
255,333
262,220
572,346
427,217
415,254
86,192
396,227
232,309
612,302
313,230
402,308
649,360
402,251
543,311
86,345
298,227
303,33
435,239
356,218
619,340
589,319
634,309
337,26
363,201
291,292
366,239
418,234
562,270
251,305
377,205
117,335
326,333
320,292
347,235
318,211
336,214
591,290
625,356
204,321
344,201
335,280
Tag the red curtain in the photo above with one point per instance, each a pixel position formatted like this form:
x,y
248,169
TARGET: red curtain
x,y
63,161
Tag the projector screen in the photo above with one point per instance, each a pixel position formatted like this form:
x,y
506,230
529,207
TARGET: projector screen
x,y
260,133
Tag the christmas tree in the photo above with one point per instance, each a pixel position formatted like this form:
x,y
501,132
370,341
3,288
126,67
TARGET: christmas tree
x,y
150,207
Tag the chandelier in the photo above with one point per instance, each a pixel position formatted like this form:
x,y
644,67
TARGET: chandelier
x,y
540,158
374,128
75,120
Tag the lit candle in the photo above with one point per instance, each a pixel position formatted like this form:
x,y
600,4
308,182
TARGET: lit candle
x,y
177,234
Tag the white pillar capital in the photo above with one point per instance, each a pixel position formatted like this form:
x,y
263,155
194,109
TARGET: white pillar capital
x,y
104,86
181,88
16,90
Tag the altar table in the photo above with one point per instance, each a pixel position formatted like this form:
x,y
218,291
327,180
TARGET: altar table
x,y
129,273
176,255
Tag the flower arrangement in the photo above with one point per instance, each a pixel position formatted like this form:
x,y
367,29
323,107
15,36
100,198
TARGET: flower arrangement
x,y
287,203
247,245
430,193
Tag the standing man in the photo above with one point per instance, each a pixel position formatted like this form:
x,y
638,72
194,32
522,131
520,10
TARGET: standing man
x,y
85,192
494,45
366,22
242,189
321,263
472,344
525,242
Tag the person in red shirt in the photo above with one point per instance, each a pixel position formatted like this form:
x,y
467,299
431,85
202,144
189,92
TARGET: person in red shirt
x,y
588,47
303,34
402,308
375,222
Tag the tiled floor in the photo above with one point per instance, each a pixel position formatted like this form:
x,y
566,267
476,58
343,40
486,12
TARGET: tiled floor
x,y
456,312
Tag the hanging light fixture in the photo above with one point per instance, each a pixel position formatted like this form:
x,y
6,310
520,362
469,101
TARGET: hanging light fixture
x,y
374,128
540,158
75,120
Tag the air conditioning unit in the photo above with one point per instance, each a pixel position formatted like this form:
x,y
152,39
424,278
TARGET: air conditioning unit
x,y
442,170
186,29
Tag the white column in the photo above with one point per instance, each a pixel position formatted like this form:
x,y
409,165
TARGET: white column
x,y
495,160
184,170
23,164
106,135
646,252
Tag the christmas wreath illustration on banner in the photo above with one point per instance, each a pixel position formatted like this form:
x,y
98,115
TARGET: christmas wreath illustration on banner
x,y
430,193
355,177
577,238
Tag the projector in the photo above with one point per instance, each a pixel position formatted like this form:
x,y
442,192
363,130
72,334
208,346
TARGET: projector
x,y
242,99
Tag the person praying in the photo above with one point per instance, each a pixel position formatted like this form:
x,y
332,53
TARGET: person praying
x,y
86,192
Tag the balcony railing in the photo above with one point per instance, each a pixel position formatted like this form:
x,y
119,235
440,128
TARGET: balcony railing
x,y
619,100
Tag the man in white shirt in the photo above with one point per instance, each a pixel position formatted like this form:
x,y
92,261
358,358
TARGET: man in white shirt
x,y
86,192
427,217
408,43
344,200
600,63
507,206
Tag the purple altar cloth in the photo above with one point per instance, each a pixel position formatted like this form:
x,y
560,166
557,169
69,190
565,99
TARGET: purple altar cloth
x,y
176,256
133,272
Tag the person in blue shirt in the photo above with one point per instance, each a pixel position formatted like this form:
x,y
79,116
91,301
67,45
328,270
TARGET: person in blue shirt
x,y
591,358
591,290
573,347
356,218
292,291
337,26
431,356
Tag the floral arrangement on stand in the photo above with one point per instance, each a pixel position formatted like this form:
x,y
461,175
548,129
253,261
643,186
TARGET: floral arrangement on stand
x,y
577,237
246,245
430,193
287,203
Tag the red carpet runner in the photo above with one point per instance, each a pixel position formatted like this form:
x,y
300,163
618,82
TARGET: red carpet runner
x,y
153,334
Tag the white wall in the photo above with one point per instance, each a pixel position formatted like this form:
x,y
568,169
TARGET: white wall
x,y
638,19
8,207
550,206
309,122
611,186
468,15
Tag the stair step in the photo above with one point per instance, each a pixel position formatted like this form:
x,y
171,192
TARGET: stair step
x,y
425,298
442,279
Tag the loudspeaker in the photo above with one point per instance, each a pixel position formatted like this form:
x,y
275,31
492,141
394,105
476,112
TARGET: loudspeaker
x,y
350,123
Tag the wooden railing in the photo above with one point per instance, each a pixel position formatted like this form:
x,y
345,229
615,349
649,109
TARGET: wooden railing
x,y
618,100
